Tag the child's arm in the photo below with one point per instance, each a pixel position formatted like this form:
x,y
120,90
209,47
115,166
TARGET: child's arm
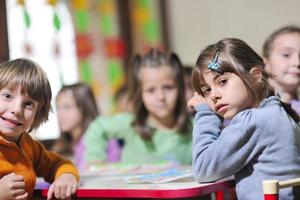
x,y
63,187
100,131
221,153
50,165
95,142
12,186
62,173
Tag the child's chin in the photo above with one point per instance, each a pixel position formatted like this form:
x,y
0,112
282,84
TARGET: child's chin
x,y
228,116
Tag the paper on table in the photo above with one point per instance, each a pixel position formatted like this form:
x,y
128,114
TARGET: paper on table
x,y
162,177
123,169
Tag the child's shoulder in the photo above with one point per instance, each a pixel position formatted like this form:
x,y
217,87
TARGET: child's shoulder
x,y
27,138
29,143
268,109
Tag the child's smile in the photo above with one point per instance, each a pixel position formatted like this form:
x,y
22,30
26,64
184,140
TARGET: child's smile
x,y
11,123
17,112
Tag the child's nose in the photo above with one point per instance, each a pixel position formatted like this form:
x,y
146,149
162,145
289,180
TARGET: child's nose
x,y
160,94
215,95
16,108
296,61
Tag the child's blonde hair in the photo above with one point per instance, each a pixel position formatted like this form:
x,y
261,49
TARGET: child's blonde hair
x,y
32,80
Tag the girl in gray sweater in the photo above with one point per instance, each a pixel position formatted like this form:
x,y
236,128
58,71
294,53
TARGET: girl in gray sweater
x,y
262,140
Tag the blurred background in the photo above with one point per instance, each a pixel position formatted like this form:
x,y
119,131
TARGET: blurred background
x,y
93,40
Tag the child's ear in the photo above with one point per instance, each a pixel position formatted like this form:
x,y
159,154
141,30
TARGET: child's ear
x,y
266,62
256,72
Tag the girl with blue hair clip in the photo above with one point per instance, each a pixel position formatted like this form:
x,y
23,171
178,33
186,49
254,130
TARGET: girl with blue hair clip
x,y
262,140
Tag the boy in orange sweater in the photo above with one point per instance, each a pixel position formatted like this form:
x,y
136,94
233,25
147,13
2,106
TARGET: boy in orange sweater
x,y
25,97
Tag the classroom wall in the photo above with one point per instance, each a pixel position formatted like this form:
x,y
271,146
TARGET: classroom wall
x,y
193,24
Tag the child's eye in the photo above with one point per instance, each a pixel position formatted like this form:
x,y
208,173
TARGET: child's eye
x,y
205,91
6,95
30,104
150,90
169,87
286,55
222,82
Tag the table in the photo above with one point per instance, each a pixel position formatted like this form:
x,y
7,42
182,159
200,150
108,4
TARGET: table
x,y
114,186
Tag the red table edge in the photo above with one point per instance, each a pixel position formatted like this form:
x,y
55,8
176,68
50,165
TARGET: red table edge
x,y
271,196
149,193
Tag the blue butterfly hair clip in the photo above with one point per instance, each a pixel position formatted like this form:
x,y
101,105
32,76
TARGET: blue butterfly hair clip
x,y
214,65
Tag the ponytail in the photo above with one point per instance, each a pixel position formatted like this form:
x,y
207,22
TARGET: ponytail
x,y
288,108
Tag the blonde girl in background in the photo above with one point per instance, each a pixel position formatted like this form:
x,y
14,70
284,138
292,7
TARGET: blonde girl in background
x,y
25,97
262,140
158,128
76,108
281,54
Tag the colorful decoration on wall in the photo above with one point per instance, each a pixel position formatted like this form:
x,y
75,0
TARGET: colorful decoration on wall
x,y
56,22
146,25
113,44
99,46
84,42
27,21
100,49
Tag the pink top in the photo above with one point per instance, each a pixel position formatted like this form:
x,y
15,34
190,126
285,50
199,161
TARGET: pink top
x,y
113,150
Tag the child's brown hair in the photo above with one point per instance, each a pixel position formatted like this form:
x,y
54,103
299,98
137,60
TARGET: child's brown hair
x,y
236,56
32,80
156,58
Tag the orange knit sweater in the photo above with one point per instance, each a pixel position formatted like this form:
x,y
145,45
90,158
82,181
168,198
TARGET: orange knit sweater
x,y
30,159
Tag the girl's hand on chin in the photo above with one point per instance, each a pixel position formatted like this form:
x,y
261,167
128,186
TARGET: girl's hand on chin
x,y
196,100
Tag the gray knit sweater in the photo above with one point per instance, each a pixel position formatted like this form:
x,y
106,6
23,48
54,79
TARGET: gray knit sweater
x,y
258,144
